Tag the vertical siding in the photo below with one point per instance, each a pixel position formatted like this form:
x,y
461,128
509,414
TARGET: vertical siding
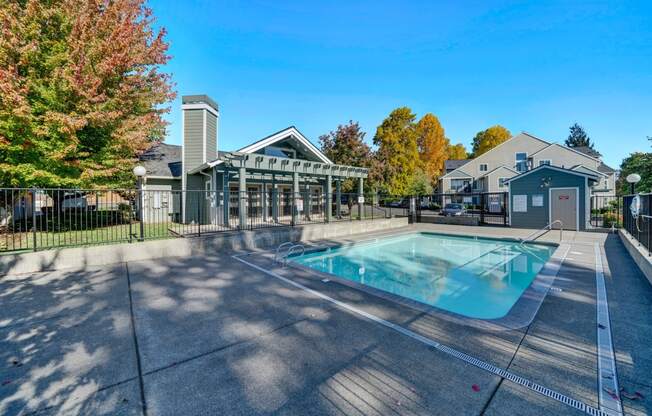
x,y
211,137
193,137
537,217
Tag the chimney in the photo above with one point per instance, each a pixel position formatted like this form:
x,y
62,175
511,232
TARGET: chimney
x,y
200,121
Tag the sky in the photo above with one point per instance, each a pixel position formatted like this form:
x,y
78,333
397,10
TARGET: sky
x,y
528,65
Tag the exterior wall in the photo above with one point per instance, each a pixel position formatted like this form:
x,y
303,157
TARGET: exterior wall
x,y
492,180
196,205
538,217
564,158
211,136
161,204
606,186
193,137
504,154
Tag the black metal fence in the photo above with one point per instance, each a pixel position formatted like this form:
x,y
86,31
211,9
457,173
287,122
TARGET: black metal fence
x,y
33,219
640,226
606,211
490,208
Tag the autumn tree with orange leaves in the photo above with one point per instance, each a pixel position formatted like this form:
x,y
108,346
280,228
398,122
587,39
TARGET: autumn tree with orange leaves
x,y
81,94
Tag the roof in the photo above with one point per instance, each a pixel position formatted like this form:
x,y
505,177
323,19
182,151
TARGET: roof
x,y
588,151
162,160
572,149
550,167
455,163
282,135
605,168
582,168
457,173
498,168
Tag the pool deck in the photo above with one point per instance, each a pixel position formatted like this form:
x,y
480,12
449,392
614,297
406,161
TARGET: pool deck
x,y
211,335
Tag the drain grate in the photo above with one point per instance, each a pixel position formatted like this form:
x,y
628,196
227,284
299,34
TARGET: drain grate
x,y
576,404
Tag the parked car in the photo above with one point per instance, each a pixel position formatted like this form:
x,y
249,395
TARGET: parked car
x,y
75,201
400,203
453,210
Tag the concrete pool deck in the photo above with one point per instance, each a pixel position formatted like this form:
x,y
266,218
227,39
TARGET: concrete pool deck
x,y
211,335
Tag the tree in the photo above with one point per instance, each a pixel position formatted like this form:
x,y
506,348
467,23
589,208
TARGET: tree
x,y
432,145
397,156
488,139
638,162
456,152
578,137
421,183
346,146
81,92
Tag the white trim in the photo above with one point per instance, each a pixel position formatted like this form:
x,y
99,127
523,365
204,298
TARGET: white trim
x,y
509,202
569,171
200,106
163,177
290,131
577,205
567,148
458,171
588,168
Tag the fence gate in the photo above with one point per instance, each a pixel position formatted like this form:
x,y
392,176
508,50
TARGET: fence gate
x,y
605,211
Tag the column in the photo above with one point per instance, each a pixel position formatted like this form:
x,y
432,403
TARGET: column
x,y
338,199
264,201
306,200
329,199
296,195
360,194
275,199
242,200
226,196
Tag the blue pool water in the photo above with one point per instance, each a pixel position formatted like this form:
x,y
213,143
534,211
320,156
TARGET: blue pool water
x,y
474,277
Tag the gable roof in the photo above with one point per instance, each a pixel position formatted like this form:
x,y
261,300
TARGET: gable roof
x,y
606,169
162,159
457,173
565,148
452,164
550,167
500,167
588,151
588,170
284,134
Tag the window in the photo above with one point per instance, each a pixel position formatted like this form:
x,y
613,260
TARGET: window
x,y
545,162
521,162
501,182
460,185
483,167
207,188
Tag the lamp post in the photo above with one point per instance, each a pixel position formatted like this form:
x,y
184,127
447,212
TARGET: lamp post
x,y
633,179
139,172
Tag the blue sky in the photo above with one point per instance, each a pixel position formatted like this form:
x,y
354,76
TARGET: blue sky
x,y
530,65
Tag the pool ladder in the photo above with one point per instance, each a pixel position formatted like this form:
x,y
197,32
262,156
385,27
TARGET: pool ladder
x,y
282,258
542,231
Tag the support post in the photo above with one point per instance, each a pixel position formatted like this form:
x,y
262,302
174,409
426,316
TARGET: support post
x,y
33,192
264,201
306,200
275,199
360,198
242,200
140,208
296,195
329,198
338,199
226,198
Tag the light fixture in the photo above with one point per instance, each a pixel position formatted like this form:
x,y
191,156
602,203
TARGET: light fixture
x,y
633,179
139,171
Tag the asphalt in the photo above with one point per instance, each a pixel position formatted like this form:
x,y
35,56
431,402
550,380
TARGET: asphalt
x,y
211,335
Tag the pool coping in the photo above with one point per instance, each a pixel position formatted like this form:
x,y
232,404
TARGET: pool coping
x,y
520,315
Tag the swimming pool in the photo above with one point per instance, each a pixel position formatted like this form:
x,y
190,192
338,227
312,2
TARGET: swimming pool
x,y
474,277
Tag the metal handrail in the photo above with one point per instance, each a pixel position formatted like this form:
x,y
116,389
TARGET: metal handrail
x,y
532,237
289,253
287,243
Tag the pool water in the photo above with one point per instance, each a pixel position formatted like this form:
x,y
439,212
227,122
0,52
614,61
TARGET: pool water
x,y
474,277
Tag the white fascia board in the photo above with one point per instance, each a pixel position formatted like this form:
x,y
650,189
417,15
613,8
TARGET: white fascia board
x,y
200,106
282,135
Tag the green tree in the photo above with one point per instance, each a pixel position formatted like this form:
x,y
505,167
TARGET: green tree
x,y
638,162
397,157
421,183
432,145
486,140
578,137
81,92
346,146
456,152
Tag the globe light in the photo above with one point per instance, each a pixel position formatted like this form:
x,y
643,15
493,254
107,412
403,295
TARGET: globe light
x,y
139,171
633,178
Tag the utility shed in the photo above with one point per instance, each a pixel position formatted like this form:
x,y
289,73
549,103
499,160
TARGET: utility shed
x,y
546,194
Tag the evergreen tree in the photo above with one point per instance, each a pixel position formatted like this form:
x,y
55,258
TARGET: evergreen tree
x,y
578,137
81,94
397,157
488,139
432,145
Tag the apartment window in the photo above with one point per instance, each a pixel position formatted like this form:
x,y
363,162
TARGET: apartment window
x,y
460,185
502,182
521,161
483,167
543,162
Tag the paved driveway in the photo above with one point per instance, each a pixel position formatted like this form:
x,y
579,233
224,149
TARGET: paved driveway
x,y
212,336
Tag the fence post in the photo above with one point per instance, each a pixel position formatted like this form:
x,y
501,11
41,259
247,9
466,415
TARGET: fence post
x,y
33,191
482,195
141,201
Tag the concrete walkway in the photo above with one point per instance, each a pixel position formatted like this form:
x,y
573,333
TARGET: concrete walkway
x,y
212,336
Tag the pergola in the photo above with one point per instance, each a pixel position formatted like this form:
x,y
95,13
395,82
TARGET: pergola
x,y
271,170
